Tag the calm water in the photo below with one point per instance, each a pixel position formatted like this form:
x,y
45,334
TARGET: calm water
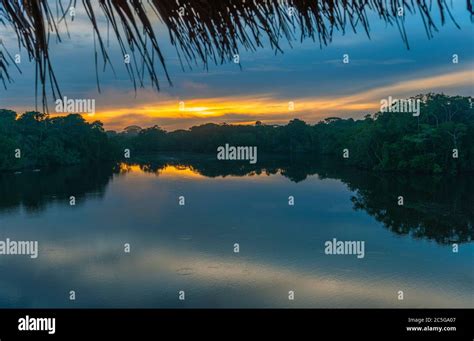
x,y
191,247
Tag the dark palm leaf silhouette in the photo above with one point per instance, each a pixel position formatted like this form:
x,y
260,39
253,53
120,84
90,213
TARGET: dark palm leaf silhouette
x,y
202,31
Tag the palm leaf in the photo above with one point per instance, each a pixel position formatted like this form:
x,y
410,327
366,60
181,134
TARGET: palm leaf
x,y
203,32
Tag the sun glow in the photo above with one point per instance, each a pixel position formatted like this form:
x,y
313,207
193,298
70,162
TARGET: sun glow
x,y
176,113
168,171
180,171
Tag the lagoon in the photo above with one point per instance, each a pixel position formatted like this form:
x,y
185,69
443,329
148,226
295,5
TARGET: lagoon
x,y
190,248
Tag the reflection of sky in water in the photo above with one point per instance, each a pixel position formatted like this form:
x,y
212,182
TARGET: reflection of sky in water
x,y
191,248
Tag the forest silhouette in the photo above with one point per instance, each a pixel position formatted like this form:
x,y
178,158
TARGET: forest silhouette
x,y
440,140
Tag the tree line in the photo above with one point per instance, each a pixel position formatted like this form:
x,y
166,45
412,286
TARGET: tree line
x,y
439,140
36,140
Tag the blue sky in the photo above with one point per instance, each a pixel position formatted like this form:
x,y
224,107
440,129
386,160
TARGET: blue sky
x,y
313,78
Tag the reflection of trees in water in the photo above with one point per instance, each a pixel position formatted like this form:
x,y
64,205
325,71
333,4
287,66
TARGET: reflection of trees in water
x,y
435,207
34,190
204,32
297,169
438,208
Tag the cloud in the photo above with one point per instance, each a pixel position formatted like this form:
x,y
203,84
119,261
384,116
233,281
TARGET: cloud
x,y
314,288
117,111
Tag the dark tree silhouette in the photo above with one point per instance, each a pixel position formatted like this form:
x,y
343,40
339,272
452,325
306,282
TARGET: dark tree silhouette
x,y
385,141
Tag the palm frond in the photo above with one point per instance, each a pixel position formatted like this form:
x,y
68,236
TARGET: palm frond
x,y
203,31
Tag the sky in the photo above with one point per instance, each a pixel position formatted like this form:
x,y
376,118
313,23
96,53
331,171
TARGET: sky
x,y
313,78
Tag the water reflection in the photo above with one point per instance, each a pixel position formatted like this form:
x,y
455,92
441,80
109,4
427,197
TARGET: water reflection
x,y
191,248
33,190
438,208
151,277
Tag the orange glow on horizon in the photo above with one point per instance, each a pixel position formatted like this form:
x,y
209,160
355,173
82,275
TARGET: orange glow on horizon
x,y
168,171
181,172
173,113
